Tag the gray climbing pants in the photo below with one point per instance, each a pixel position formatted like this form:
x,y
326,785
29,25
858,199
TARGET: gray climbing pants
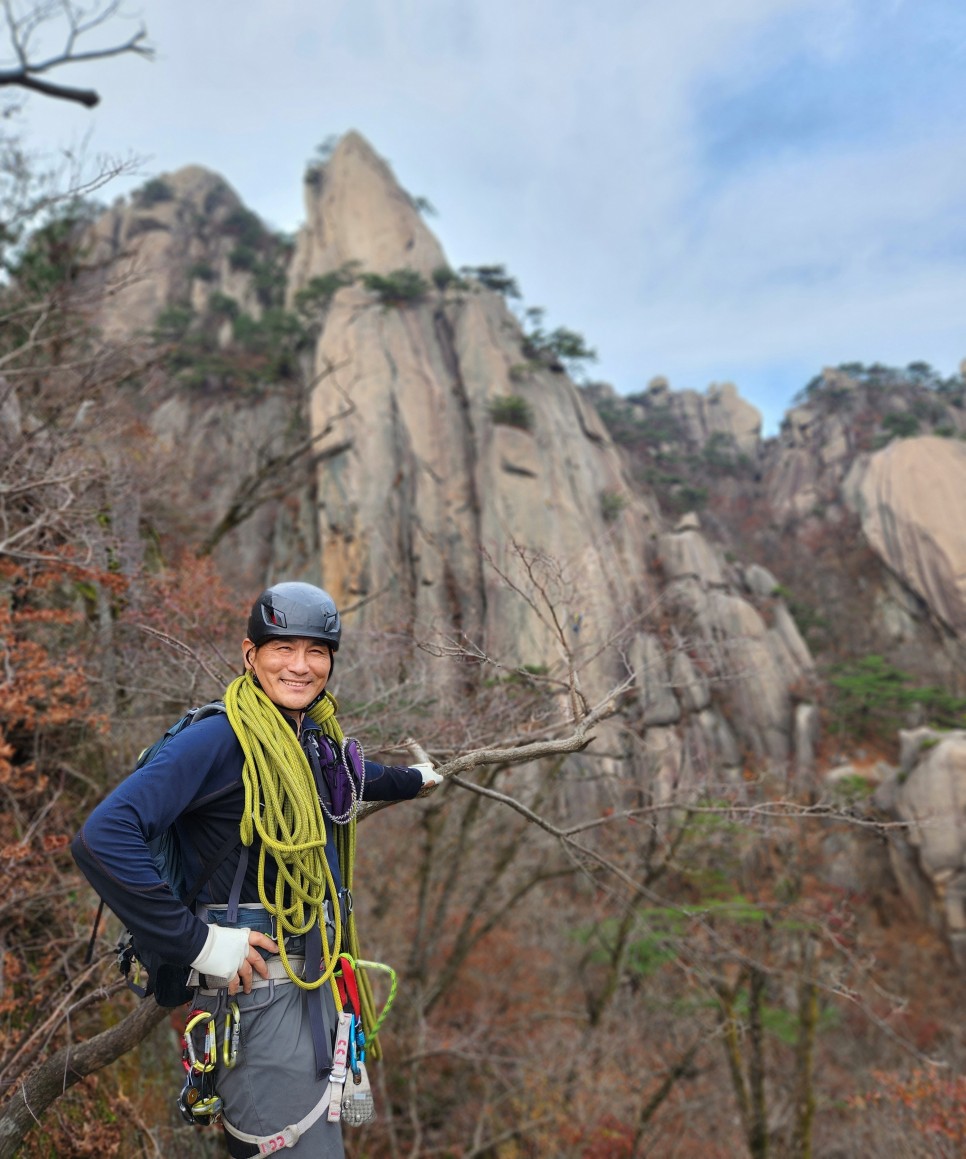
x,y
273,1083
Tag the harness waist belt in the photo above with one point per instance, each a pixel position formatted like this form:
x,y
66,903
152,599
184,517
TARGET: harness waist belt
x,y
276,973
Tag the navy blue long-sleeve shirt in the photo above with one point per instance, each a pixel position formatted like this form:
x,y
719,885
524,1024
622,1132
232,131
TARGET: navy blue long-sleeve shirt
x,y
194,782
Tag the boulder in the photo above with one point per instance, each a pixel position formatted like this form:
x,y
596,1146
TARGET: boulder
x,y
686,553
911,498
930,797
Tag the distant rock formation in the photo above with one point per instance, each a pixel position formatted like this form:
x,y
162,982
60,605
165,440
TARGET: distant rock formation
x,y
863,530
690,419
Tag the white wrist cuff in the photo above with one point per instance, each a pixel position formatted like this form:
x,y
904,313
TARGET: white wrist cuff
x,y
223,953
428,773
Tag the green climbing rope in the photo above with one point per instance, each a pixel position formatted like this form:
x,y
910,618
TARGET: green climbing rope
x,y
282,806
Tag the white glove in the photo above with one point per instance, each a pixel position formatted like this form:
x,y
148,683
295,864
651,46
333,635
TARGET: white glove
x,y
223,954
428,773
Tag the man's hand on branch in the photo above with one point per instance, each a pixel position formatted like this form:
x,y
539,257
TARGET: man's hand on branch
x,y
430,778
424,766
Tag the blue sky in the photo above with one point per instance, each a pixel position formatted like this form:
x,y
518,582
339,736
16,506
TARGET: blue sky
x,y
710,190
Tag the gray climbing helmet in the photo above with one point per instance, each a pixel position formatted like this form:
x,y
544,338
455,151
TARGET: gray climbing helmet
x,y
295,609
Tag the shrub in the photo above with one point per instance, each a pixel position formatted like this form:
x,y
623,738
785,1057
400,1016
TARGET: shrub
x,y
245,227
494,278
216,197
612,503
443,277
510,410
223,305
173,322
872,698
851,789
320,290
242,257
398,288
269,279
900,424
424,206
202,272
719,452
691,498
559,346
153,192
52,255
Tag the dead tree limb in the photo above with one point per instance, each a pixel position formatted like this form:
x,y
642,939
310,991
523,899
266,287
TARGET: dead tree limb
x,y
77,23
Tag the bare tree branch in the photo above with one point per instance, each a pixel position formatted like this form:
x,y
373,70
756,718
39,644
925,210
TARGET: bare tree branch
x,y
21,29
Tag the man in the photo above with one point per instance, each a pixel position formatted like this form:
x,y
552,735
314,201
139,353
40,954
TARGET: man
x,y
273,780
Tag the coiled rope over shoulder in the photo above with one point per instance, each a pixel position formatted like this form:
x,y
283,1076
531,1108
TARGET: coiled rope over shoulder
x,y
282,807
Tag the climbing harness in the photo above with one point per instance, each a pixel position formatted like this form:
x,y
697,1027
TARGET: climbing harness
x,y
287,1137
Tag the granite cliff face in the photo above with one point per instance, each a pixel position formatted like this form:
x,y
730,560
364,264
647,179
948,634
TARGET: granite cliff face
x,y
430,483
356,212
426,479
440,454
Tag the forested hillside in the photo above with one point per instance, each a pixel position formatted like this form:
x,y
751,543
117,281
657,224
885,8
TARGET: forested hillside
x,y
694,883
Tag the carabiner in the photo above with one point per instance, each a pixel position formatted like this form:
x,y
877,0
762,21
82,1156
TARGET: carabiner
x,y
229,1048
357,1048
196,1018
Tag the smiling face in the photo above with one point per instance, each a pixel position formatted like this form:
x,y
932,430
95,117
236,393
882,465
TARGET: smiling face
x,y
292,671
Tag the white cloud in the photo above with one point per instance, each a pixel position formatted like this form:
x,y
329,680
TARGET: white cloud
x,y
572,142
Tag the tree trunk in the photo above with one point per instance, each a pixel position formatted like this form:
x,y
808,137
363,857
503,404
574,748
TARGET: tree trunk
x,y
805,1052
758,1133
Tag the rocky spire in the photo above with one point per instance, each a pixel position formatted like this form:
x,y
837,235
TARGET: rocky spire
x,y
357,212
